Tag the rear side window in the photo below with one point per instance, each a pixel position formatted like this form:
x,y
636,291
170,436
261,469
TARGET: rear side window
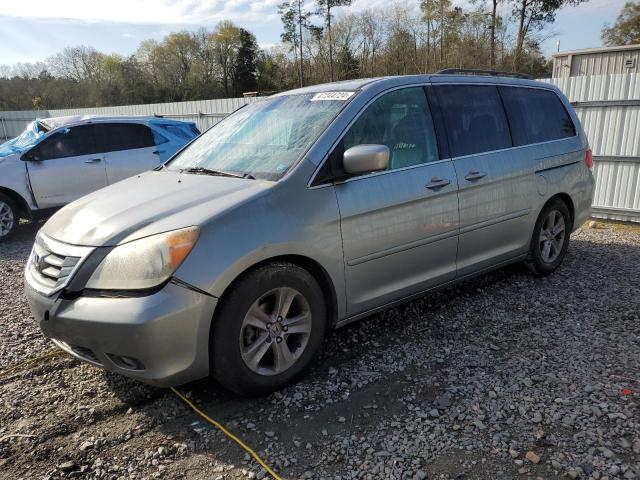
x,y
113,137
69,142
474,118
536,115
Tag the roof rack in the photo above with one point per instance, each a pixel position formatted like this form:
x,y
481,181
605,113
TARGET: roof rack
x,y
473,71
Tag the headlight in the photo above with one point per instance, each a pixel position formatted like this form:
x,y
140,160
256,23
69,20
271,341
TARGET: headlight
x,y
144,263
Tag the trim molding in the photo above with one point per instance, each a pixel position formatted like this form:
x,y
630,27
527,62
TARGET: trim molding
x,y
493,221
402,248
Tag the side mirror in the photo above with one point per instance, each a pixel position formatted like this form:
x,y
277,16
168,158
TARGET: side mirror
x,y
29,157
366,159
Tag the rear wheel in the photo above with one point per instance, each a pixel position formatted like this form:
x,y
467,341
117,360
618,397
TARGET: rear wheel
x,y
550,238
8,217
269,328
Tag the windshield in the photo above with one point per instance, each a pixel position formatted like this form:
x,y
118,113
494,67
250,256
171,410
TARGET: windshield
x,y
34,132
263,139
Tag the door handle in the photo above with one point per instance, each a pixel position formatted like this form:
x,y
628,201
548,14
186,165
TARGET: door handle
x,y
437,182
158,152
93,160
475,175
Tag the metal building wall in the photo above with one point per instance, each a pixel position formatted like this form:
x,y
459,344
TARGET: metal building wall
x,y
204,113
561,67
609,109
597,61
604,63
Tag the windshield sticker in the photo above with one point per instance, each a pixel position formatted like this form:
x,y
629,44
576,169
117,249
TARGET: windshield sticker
x,y
340,96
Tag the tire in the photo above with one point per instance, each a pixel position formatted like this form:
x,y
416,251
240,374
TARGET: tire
x,y
9,218
249,340
550,238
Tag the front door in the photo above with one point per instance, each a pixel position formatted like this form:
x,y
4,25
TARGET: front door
x,y
399,226
65,166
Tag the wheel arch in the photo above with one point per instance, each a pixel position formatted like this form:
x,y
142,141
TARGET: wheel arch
x,y
317,271
567,201
22,206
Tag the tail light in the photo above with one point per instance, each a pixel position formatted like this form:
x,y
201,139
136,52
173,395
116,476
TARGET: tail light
x,y
588,159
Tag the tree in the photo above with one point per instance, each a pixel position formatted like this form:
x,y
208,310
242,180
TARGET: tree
x,y
245,70
347,64
324,8
436,13
206,64
534,15
492,58
77,63
227,42
294,20
626,30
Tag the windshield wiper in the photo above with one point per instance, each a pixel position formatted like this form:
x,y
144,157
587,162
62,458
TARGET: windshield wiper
x,y
221,173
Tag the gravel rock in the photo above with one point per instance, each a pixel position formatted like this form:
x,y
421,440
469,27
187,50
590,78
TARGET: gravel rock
x,y
532,457
84,446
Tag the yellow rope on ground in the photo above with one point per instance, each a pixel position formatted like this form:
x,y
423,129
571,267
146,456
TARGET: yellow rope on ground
x,y
23,365
220,427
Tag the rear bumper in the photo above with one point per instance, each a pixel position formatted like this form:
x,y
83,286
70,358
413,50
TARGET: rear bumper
x,y
161,339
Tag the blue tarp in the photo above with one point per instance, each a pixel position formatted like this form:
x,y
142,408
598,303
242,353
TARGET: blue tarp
x,y
174,135
25,141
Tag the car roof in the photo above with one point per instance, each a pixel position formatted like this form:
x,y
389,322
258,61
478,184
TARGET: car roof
x,y
390,81
348,85
57,122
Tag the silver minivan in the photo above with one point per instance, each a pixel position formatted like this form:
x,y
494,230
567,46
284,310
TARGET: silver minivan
x,y
303,212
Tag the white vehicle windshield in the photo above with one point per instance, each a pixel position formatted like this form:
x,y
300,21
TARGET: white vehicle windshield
x,y
263,139
34,132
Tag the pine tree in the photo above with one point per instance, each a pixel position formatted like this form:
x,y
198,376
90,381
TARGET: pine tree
x,y
245,71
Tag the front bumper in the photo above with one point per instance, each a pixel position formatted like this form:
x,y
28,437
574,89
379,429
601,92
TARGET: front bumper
x,y
161,339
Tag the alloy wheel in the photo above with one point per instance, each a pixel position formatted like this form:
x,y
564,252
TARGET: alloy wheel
x,y
6,219
275,331
552,235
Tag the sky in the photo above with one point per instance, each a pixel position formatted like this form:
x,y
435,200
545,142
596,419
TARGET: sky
x,y
33,30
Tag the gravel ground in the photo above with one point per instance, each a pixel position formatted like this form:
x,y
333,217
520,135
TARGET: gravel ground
x,y
505,376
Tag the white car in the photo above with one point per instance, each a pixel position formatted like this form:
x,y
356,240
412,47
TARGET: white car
x,y
57,160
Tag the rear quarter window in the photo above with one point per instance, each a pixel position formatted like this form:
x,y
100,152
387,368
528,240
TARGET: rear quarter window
x,y
536,115
184,132
474,117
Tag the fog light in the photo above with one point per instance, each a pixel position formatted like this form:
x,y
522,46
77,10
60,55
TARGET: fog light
x,y
128,363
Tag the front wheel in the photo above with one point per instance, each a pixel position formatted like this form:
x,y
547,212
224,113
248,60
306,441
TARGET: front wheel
x,y
550,238
269,328
8,217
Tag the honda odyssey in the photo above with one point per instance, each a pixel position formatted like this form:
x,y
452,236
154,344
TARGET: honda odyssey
x,y
303,212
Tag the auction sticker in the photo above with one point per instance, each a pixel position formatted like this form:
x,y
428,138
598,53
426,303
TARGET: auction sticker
x,y
340,96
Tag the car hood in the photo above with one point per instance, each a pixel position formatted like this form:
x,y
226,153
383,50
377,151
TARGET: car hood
x,y
149,203
9,158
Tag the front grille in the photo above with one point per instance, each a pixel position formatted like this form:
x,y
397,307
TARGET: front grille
x,y
52,264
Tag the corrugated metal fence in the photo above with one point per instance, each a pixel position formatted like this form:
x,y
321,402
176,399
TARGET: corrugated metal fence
x,y
608,107
204,113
